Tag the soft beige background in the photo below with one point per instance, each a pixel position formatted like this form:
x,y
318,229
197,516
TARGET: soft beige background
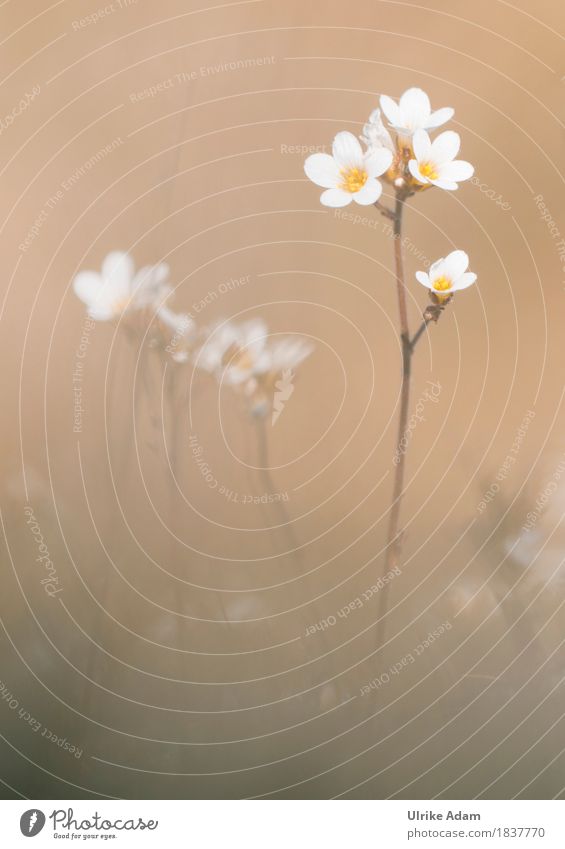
x,y
134,661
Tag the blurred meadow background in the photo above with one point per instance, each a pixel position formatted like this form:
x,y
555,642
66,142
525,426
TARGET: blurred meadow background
x,y
173,633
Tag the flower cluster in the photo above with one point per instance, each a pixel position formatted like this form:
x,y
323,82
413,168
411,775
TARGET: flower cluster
x,y
246,357
403,155
241,355
410,160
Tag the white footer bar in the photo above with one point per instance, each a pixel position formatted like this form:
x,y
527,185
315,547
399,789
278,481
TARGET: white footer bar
x,y
284,824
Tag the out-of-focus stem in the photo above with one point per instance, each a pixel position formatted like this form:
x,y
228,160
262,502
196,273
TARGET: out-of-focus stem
x,y
267,480
284,518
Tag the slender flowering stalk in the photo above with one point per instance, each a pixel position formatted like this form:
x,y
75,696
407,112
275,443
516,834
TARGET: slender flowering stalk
x,y
260,414
394,538
245,358
445,277
120,293
260,369
415,163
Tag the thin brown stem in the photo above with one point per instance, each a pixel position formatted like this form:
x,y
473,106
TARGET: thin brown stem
x,y
268,483
394,537
399,270
421,330
384,210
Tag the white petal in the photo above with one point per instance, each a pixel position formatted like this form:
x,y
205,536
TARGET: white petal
x,y
439,117
415,171
445,147
391,110
144,278
456,263
464,281
208,357
262,362
117,271
223,335
336,197
87,286
347,151
236,376
447,185
437,268
415,108
423,278
162,272
287,353
219,338
378,161
147,286
456,171
323,170
101,312
180,323
370,192
421,145
404,137
252,332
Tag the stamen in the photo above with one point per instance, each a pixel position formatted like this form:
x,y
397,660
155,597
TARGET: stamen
x,y
442,284
428,169
353,179
238,358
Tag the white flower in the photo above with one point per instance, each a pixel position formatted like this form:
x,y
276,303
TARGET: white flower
x,y
448,275
375,134
413,112
223,337
435,161
244,354
349,174
288,352
119,288
184,333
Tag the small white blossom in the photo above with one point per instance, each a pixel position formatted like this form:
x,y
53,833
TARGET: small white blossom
x,y
435,161
225,337
413,112
118,288
448,275
244,355
375,134
183,327
349,174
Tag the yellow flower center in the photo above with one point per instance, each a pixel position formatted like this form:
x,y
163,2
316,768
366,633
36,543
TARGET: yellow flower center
x,y
353,179
442,284
120,306
243,362
238,358
428,169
